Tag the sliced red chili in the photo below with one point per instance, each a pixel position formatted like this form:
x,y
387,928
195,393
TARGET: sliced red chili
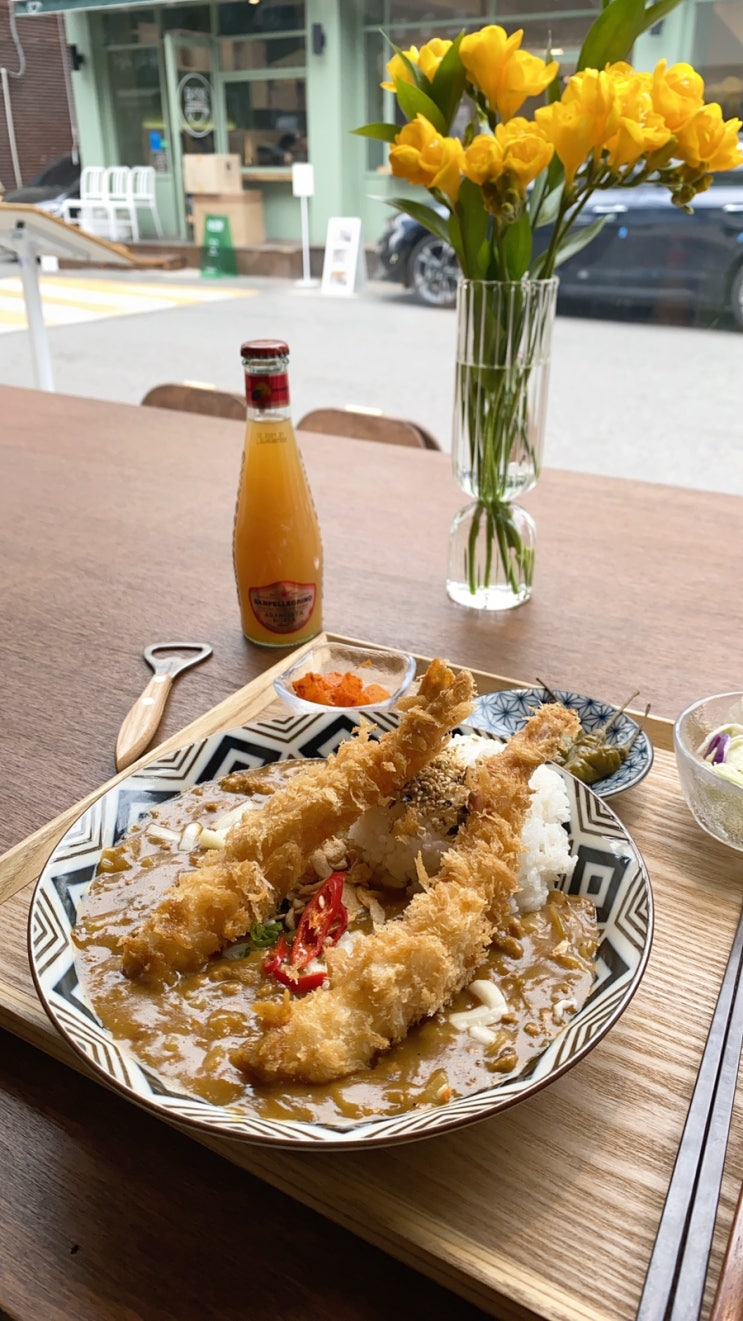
x,y
323,921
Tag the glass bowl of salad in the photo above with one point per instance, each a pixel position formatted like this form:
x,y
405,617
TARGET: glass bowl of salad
x,y
708,739
345,677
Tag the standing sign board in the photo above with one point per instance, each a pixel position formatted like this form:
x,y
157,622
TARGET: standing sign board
x,y
344,266
303,186
219,252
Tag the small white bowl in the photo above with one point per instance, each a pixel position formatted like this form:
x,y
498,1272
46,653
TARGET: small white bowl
x,y
394,670
715,802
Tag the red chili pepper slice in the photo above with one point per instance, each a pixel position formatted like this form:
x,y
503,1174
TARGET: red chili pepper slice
x,y
324,919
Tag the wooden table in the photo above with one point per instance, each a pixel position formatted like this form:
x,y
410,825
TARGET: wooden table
x,y
115,529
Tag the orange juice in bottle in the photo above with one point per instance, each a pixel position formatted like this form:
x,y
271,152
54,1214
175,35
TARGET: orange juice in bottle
x,y
277,549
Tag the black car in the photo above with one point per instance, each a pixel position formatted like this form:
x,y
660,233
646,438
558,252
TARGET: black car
x,y
649,253
51,188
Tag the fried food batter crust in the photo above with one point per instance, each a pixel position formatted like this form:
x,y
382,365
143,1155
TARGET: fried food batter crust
x,y
267,851
413,966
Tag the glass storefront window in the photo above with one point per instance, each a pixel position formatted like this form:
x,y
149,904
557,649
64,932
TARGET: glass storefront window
x,y
718,46
134,77
267,121
253,53
130,27
186,18
238,18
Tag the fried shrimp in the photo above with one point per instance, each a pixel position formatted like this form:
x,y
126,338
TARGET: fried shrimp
x,y
383,984
267,851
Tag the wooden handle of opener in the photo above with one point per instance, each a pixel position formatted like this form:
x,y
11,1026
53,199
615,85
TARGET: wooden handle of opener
x,y
140,726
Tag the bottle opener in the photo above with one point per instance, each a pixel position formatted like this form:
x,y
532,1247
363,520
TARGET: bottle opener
x,y
140,725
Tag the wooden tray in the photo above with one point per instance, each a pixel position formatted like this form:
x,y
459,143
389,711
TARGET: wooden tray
x,y
548,1209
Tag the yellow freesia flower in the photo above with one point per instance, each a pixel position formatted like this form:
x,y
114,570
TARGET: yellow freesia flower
x,y
506,75
571,131
398,70
422,156
678,93
428,59
517,149
708,142
640,129
431,56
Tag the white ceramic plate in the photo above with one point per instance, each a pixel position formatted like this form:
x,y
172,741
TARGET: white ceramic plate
x,y
609,871
504,712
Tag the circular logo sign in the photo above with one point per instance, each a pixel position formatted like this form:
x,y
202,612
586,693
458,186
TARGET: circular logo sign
x,y
195,101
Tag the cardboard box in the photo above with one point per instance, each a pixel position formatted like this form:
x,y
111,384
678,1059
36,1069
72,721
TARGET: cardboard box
x,y
245,214
211,174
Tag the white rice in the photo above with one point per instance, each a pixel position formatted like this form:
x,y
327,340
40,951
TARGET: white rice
x,y
391,838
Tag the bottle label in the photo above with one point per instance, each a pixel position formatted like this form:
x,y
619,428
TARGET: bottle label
x,y
283,607
269,391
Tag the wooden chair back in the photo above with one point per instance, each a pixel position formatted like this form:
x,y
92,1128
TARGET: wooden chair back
x,y
368,426
196,399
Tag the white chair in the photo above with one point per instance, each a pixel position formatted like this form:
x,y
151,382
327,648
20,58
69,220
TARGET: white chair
x,y
143,194
120,204
91,199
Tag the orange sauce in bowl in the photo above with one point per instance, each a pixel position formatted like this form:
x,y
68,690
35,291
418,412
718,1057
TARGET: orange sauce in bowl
x,y
337,689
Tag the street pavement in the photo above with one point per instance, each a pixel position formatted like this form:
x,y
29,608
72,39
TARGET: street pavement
x,y
635,399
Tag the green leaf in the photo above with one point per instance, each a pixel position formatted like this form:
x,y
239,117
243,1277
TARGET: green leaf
x,y
517,247
384,132
448,83
550,206
577,239
425,215
474,226
415,102
615,31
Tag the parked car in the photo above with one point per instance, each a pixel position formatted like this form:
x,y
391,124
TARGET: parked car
x,y
51,188
649,253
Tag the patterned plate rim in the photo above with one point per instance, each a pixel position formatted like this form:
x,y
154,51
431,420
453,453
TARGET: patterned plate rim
x,y
51,958
628,775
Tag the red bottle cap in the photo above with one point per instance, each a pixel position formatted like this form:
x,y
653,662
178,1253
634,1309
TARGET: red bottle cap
x,y
264,348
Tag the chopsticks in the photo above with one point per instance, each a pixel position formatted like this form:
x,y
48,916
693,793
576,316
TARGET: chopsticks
x,y
674,1284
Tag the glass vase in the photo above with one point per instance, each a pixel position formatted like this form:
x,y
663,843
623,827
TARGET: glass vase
x,y
504,336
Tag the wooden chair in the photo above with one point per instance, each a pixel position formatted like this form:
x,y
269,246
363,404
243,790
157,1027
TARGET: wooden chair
x,y
187,398
366,425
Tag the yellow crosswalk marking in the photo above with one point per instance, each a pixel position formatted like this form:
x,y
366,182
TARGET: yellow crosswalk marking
x,y
70,301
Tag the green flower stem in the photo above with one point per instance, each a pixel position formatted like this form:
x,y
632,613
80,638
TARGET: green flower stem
x,y
516,558
501,329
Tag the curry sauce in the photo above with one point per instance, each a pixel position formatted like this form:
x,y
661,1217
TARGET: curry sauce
x,y
186,1032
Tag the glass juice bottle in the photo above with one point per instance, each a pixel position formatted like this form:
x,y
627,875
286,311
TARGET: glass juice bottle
x,y
277,549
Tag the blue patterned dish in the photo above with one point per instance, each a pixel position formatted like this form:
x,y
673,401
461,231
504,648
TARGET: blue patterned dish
x,y
504,712
609,871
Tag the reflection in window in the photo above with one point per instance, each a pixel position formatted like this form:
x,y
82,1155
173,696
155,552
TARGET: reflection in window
x,y
130,28
238,17
135,88
186,18
251,53
267,121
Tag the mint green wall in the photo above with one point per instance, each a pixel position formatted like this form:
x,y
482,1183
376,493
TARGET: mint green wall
x,y
89,91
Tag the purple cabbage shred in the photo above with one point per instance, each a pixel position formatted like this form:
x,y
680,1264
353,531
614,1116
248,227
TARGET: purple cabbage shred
x,y
717,749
